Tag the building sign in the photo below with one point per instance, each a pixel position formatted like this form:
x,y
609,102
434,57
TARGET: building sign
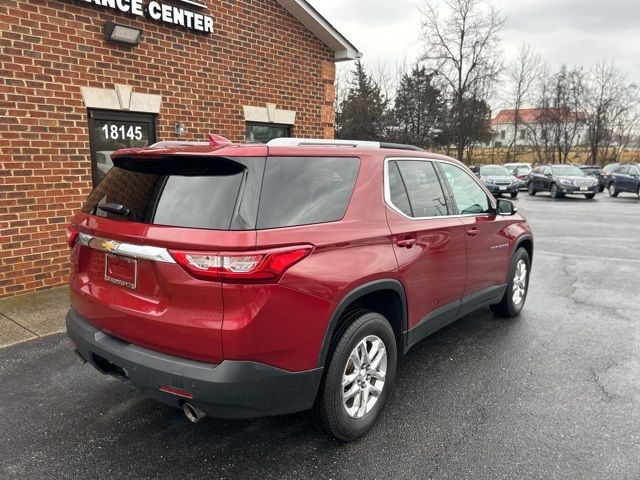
x,y
162,12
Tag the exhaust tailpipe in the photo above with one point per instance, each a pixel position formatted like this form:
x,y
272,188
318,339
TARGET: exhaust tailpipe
x,y
193,413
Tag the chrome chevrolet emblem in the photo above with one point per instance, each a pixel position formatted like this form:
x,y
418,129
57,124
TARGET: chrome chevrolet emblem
x,y
109,246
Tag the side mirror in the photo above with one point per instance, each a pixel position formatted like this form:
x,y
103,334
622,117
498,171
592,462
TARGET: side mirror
x,y
506,207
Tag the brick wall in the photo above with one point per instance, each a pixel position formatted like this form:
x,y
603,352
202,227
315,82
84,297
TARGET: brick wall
x,y
258,53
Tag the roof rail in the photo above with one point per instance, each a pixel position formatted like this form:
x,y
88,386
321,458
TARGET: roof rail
x,y
319,142
401,146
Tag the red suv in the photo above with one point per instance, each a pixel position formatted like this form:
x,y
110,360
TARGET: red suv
x,y
249,280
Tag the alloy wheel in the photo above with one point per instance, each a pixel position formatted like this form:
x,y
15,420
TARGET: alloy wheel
x,y
364,376
519,282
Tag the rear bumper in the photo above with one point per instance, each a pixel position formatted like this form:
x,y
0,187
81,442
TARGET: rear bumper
x,y
232,389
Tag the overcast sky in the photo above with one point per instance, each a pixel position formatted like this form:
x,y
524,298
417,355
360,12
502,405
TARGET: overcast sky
x,y
577,32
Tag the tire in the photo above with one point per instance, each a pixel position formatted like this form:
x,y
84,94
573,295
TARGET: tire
x,y
514,194
511,304
613,191
530,189
589,196
638,192
331,411
554,192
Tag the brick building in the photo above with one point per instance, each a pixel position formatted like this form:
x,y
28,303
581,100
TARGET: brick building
x,y
72,91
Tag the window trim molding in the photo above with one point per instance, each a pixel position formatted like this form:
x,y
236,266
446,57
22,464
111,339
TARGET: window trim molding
x,y
389,203
121,98
269,114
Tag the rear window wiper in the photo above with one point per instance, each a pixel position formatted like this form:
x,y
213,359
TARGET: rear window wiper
x,y
116,208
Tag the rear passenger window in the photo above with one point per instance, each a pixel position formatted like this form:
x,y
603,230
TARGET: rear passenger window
x,y
397,191
302,191
426,198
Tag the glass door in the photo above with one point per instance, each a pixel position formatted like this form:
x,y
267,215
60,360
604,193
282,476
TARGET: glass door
x,y
110,131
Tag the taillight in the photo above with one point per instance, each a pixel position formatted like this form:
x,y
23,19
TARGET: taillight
x,y
252,267
72,235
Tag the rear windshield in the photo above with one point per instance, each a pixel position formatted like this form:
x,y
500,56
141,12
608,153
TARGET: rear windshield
x,y
567,170
495,170
190,192
226,193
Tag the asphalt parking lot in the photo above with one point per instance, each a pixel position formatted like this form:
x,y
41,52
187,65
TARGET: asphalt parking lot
x,y
553,394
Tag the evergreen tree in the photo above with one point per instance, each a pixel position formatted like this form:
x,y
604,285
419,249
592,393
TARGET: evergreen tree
x,y
476,124
419,110
363,112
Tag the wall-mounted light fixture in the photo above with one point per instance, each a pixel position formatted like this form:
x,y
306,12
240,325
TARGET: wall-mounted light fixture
x,y
180,130
122,34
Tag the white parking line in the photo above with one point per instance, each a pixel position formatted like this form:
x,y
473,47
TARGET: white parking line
x,y
588,257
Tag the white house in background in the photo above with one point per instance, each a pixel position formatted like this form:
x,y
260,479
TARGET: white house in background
x,y
531,122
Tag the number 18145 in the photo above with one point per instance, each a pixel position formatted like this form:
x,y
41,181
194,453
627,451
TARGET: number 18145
x,y
122,132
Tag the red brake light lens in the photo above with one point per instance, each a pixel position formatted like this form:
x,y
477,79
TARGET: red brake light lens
x,y
72,235
252,267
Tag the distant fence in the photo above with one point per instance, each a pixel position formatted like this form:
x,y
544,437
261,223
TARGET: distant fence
x,y
499,155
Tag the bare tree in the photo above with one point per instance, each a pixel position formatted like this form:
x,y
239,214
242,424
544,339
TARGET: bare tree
x,y
522,75
538,129
567,118
559,119
627,121
386,77
611,104
623,122
462,48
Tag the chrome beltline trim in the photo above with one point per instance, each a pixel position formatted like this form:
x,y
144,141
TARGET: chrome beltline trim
x,y
143,252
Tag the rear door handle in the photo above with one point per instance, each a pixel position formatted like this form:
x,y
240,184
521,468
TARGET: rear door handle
x,y
472,232
406,242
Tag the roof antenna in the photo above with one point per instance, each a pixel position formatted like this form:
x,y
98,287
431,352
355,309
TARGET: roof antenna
x,y
218,140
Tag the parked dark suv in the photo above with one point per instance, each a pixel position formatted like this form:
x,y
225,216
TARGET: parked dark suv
x,y
247,280
597,173
561,180
498,180
625,178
